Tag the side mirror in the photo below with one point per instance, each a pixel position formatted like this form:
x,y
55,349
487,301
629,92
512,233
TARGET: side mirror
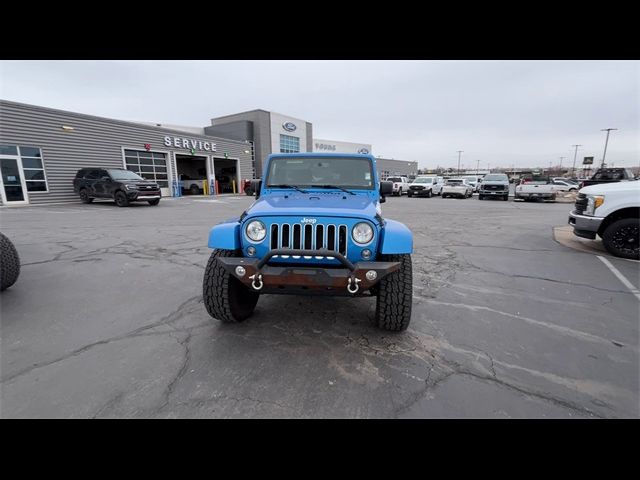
x,y
255,187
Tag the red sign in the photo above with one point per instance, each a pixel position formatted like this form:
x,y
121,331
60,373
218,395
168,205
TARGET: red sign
x,y
147,146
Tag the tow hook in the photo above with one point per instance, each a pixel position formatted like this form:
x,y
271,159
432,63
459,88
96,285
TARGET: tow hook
x,y
256,285
352,285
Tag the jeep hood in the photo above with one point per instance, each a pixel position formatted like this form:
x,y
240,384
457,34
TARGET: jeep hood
x,y
315,204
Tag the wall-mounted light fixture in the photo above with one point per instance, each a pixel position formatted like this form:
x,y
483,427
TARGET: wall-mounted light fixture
x,y
67,128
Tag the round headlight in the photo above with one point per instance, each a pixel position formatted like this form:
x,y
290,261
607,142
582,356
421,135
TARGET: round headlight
x,y
362,233
256,231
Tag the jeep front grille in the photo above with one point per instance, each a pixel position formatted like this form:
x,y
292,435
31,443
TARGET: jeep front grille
x,y
309,237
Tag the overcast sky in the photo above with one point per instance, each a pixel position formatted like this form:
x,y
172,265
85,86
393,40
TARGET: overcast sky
x,y
503,113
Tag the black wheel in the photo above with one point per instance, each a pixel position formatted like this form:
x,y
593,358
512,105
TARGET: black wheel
x,y
573,189
394,295
400,192
225,297
409,194
9,264
622,239
84,196
444,196
154,202
506,198
194,190
429,194
480,197
121,199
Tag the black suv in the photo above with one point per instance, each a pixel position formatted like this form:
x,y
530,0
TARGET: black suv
x,y
122,185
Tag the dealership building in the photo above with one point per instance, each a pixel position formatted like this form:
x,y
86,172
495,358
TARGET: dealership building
x,y
41,149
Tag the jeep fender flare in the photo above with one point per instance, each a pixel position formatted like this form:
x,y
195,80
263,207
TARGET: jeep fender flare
x,y
396,238
225,236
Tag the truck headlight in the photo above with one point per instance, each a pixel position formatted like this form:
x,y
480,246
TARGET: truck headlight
x,y
593,202
256,231
131,187
362,233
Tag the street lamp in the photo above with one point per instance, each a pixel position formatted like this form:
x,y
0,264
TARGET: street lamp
x,y
573,169
560,172
605,144
459,154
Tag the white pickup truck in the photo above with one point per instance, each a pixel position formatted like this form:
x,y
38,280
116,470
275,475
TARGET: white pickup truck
x,y
612,211
536,190
400,185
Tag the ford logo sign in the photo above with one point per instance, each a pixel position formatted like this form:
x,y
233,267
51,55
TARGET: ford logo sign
x,y
364,151
289,126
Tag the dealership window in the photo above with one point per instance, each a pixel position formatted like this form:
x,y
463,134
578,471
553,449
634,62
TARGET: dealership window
x,y
149,165
289,144
32,166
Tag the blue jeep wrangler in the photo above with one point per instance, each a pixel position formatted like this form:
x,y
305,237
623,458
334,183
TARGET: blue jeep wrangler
x,y
316,227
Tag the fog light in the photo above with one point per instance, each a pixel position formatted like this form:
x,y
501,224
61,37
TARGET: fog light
x,y
371,275
366,254
240,271
251,251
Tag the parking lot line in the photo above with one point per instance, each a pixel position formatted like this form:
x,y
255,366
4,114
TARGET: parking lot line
x,y
621,277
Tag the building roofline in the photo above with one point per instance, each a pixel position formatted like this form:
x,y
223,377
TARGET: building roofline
x,y
117,121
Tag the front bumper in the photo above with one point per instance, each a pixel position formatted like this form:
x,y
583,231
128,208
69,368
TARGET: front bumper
x,y
542,196
347,279
136,195
585,226
420,192
497,193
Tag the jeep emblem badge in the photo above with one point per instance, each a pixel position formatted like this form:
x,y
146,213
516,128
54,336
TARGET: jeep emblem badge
x,y
309,220
289,126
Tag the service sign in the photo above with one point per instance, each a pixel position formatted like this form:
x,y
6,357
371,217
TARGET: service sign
x,y
189,144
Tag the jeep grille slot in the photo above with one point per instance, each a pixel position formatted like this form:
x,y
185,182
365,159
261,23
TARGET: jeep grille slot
x,y
342,240
331,237
309,237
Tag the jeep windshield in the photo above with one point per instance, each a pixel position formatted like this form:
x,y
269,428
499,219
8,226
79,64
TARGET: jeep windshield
x,y
124,175
318,172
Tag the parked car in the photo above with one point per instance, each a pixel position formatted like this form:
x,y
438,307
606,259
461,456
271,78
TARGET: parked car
x,y
494,185
400,185
457,187
565,179
611,211
423,186
123,186
294,239
474,181
565,186
609,175
9,263
536,189
192,185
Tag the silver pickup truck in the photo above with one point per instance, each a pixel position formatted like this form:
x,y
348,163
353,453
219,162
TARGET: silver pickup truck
x,y
536,190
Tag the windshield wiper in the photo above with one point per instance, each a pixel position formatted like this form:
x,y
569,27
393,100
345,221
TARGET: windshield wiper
x,y
336,186
282,185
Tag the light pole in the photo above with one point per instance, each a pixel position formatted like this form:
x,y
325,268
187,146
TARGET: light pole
x,y
605,144
459,154
561,158
573,169
477,167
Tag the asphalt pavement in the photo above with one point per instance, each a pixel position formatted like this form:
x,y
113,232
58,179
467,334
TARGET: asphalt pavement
x,y
107,320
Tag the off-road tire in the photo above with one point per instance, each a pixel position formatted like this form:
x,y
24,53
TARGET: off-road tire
x,y
225,297
155,202
613,238
121,199
84,196
9,263
394,295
